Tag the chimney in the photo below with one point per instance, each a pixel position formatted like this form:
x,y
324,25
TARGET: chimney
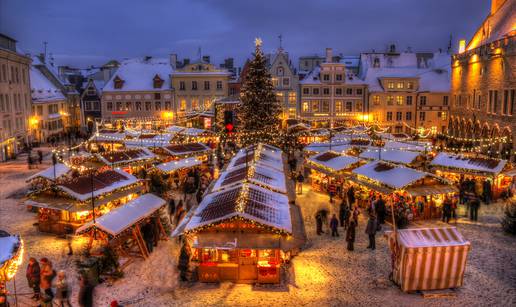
x,y
329,55
173,60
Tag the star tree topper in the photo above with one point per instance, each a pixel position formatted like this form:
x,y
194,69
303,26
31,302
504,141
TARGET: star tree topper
x,y
258,42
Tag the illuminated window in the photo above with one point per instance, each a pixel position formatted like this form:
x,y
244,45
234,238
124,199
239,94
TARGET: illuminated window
x,y
338,106
292,112
275,82
305,106
279,96
195,104
207,104
444,115
399,85
390,100
390,85
182,105
399,100
325,106
376,100
292,97
410,85
315,106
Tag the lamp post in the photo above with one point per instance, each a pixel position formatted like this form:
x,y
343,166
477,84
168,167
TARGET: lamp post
x,y
93,204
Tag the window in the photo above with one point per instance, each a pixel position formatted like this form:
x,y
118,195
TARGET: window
x,y
194,85
91,91
422,116
399,85
280,71
306,91
182,86
182,105
315,91
305,106
206,85
389,116
286,81
219,85
409,100
408,116
338,106
338,77
315,106
511,102
279,96
109,106
338,91
157,96
390,100
39,110
399,100
157,105
390,85
444,115
148,106
119,106
359,91
349,91
128,105
495,102
349,106
490,102
326,77
326,91
325,106
410,85
275,82
207,104
422,101
376,100
2,106
195,104
138,106
399,116
292,98
445,100
87,105
168,105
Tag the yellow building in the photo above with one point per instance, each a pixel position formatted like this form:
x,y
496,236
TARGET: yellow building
x,y
14,98
483,86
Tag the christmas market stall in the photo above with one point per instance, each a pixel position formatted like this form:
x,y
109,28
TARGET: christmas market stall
x,y
151,139
428,258
64,207
261,154
121,228
197,135
180,151
319,147
459,167
409,158
329,170
131,160
11,256
177,169
414,194
256,173
47,177
107,140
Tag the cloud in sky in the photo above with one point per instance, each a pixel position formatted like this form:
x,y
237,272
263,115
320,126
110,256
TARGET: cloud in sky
x,y
226,28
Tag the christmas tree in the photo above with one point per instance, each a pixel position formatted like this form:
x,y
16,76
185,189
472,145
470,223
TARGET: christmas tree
x,y
259,113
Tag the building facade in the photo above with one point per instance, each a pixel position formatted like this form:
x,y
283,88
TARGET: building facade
x,y
483,86
14,98
408,92
285,81
330,95
91,110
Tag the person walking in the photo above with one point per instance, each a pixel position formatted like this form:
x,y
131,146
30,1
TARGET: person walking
x,y
47,275
371,228
33,277
380,210
40,156
474,204
487,192
319,223
300,178
350,235
62,290
356,213
447,209
351,196
334,224
344,214
85,297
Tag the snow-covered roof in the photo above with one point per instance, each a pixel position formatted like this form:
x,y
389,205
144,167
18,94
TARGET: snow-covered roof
x,y
42,89
138,75
149,140
459,162
9,245
119,219
175,129
194,132
260,155
258,174
407,145
496,26
186,149
391,155
393,176
430,237
171,166
126,156
105,182
333,160
314,77
60,170
108,135
319,147
246,201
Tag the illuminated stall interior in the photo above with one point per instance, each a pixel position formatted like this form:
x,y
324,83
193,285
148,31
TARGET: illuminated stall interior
x,y
330,168
131,160
64,207
180,151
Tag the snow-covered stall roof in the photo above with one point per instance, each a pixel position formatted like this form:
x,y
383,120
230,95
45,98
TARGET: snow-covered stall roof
x,y
431,237
333,160
126,156
149,140
460,163
390,175
319,147
175,129
172,166
408,145
9,245
261,155
108,136
138,75
247,201
258,174
391,155
105,182
194,132
186,149
42,89
60,170
119,219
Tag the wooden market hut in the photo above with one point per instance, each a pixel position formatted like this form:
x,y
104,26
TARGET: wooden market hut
x,y
320,147
454,166
197,135
260,154
388,178
428,258
11,255
66,206
131,160
108,139
256,173
398,156
181,151
330,168
151,139
47,177
121,227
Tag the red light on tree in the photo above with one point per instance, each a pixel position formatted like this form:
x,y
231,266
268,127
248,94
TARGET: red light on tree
x,y
229,127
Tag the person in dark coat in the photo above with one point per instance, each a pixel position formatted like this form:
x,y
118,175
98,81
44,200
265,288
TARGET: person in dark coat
x,y
474,204
148,236
33,277
344,214
447,209
351,195
85,296
334,225
319,223
486,187
380,210
40,156
300,178
372,226
350,235
184,262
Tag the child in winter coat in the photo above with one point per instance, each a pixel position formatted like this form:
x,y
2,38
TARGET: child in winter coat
x,y
62,290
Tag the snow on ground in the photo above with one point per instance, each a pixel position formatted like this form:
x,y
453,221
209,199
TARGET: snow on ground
x,y
324,274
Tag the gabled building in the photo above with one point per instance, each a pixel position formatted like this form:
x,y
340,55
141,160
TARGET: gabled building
x,y
331,95
285,81
407,91
14,98
91,110
483,86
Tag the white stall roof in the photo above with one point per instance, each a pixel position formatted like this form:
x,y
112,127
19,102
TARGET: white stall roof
x,y
60,170
258,174
119,219
391,155
485,165
319,147
171,166
393,176
431,237
333,160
